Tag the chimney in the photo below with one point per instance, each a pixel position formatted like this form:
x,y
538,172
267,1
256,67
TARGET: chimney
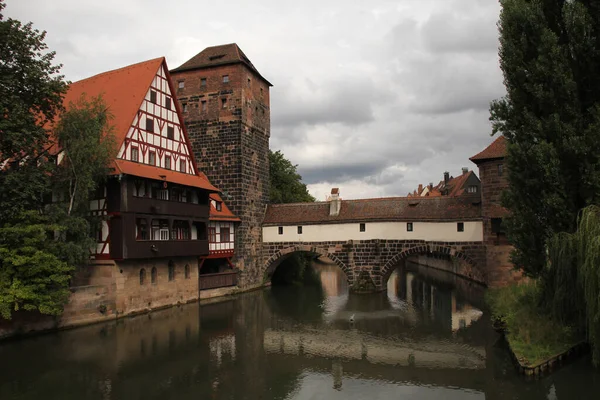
x,y
465,170
335,203
446,177
420,188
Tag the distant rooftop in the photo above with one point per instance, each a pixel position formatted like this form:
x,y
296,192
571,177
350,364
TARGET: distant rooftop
x,y
218,55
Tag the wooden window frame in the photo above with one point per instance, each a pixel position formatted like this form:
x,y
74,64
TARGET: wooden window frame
x,y
171,132
280,230
362,227
135,150
168,105
460,227
149,125
167,162
299,229
152,157
410,227
153,96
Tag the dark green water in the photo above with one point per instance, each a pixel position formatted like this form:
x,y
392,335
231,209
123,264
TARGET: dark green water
x,y
426,338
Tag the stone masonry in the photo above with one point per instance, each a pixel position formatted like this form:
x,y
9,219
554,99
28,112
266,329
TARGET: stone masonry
x,y
228,123
379,258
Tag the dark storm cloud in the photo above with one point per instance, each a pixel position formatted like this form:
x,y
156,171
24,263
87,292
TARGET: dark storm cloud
x,y
346,171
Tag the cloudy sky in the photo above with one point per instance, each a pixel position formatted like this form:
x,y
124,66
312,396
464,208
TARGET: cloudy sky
x,y
373,97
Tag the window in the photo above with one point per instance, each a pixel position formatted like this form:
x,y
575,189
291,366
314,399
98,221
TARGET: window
x,y
153,275
500,169
280,230
249,82
181,84
224,103
203,103
363,228
212,235
472,189
460,227
168,103
153,96
184,106
409,226
202,82
299,230
141,229
135,154
152,158
171,271
182,165
180,231
186,272
225,78
150,125
497,226
168,162
170,132
218,206
159,192
142,276
225,235
160,229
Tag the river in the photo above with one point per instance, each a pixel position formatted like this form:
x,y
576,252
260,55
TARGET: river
x,y
427,337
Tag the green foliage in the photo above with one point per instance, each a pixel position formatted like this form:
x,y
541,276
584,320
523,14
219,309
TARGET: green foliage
x,y
533,335
296,270
32,275
286,184
573,277
88,145
550,57
41,243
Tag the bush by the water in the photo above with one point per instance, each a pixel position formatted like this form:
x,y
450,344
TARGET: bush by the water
x,y
296,270
533,334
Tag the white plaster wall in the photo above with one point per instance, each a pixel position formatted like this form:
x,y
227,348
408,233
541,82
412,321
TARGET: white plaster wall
x,y
430,231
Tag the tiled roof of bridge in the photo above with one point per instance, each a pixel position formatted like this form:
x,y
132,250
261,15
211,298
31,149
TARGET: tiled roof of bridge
x,y
382,209
495,150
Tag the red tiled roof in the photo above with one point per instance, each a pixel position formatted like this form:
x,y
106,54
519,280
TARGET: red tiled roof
x,y
161,174
218,55
122,90
225,214
495,150
444,208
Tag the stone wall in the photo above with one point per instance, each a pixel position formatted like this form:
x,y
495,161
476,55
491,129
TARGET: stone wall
x,y
380,257
231,146
109,290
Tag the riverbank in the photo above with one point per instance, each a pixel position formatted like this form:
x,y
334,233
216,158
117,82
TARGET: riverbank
x,y
533,337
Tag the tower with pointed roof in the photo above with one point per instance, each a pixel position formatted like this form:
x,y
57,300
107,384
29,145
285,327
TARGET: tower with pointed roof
x,y
225,104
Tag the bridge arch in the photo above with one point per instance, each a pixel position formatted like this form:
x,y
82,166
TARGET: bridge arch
x,y
281,255
464,267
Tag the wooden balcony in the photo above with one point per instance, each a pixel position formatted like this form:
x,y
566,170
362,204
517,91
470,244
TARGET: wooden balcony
x,y
142,205
214,281
164,248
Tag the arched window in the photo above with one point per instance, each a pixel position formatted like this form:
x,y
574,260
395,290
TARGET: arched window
x,y
171,271
153,275
142,276
187,271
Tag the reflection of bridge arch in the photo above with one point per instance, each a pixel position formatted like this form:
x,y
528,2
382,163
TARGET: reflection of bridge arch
x,y
465,266
276,259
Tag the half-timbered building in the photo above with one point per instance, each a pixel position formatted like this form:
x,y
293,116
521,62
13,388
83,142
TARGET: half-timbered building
x,y
155,203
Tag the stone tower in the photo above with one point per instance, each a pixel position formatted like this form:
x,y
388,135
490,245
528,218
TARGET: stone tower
x,y
225,103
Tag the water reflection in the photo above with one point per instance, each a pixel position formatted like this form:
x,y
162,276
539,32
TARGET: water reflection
x,y
425,338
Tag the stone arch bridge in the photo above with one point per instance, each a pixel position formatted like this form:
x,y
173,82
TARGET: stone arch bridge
x,y
376,259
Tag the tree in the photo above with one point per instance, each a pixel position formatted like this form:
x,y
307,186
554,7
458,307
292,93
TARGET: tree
x,y
286,184
87,146
30,97
550,57
41,243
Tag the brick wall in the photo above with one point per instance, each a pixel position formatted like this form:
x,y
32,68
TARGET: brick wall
x,y
231,146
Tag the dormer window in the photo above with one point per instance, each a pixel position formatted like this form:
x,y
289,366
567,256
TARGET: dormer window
x,y
472,189
218,206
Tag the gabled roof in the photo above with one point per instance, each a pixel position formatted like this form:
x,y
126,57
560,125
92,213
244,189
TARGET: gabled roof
x,y
218,55
225,214
456,184
446,208
496,150
122,90
160,174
